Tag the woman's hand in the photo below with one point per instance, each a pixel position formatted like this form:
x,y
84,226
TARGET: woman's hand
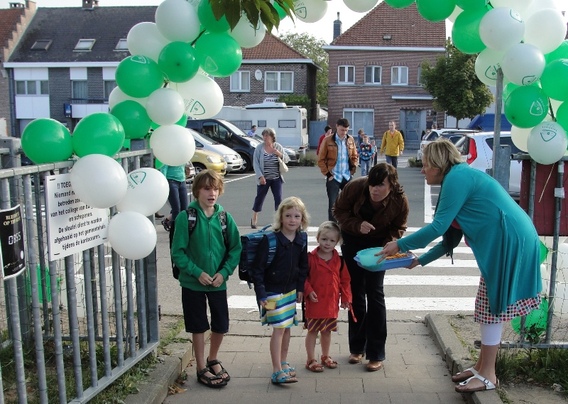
x,y
366,228
262,180
414,263
391,248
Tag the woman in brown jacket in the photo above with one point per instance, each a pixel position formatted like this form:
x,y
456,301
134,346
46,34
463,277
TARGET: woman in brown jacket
x,y
371,211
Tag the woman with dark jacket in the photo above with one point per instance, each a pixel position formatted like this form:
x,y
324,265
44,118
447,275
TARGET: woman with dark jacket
x,y
371,211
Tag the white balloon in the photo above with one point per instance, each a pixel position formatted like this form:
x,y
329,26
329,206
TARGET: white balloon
x,y
520,137
487,64
98,180
501,28
246,34
203,98
545,29
310,10
132,235
538,5
116,96
518,5
177,20
145,39
172,145
547,143
147,192
165,106
360,6
523,64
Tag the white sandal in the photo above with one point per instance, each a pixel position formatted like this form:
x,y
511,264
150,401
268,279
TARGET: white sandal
x,y
487,385
460,376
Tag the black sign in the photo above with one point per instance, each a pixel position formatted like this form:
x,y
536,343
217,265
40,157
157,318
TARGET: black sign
x,y
12,242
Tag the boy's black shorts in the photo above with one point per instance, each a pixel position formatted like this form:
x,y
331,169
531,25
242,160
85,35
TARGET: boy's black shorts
x,y
195,311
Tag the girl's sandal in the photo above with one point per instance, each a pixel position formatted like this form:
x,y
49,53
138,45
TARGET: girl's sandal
x,y
286,368
328,362
313,366
282,377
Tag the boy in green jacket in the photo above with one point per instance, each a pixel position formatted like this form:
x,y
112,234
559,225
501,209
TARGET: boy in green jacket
x,y
206,261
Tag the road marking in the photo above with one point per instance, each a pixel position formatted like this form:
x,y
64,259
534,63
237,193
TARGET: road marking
x,y
392,303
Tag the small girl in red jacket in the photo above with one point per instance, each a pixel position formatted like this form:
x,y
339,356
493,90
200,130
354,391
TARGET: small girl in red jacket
x,y
327,285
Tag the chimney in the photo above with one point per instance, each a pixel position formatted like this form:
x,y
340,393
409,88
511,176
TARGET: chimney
x,y
90,4
336,27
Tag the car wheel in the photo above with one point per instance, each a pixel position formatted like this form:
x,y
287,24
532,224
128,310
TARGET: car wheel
x,y
199,167
247,166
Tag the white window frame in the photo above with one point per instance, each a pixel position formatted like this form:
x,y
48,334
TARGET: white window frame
x,y
106,91
419,77
84,45
39,85
279,81
343,74
240,82
399,75
373,79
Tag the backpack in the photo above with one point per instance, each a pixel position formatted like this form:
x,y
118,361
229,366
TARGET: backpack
x,y
250,243
191,223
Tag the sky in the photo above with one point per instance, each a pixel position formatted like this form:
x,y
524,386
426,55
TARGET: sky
x,y
323,29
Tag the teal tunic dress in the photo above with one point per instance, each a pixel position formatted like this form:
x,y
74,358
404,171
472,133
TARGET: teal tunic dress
x,y
502,237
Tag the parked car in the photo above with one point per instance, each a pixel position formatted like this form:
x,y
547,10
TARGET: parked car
x,y
189,172
228,134
451,134
292,154
477,151
234,160
204,159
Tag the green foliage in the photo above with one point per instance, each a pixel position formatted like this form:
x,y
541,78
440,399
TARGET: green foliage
x,y
312,47
295,99
310,159
454,85
255,10
412,162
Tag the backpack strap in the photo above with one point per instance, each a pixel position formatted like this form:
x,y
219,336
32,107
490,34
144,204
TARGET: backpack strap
x,y
191,219
223,221
271,236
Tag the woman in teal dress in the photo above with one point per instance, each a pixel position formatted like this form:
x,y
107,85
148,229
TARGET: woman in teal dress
x,y
503,240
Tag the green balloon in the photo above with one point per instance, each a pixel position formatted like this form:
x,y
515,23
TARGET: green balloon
x,y
219,54
399,3
46,140
471,4
177,61
138,76
465,31
526,106
536,319
133,117
562,115
435,10
554,79
98,133
208,20
508,89
182,121
281,12
559,53
543,252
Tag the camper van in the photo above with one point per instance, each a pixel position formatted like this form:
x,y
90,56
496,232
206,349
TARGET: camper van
x,y
290,123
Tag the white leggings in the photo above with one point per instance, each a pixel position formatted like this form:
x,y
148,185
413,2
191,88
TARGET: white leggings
x,y
491,333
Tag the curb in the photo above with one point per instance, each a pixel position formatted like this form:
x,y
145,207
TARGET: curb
x,y
154,389
456,355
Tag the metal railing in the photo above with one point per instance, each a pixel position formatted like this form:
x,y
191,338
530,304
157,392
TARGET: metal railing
x,y
69,327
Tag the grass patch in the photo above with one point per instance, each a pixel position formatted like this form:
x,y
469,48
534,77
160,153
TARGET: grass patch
x,y
308,159
412,162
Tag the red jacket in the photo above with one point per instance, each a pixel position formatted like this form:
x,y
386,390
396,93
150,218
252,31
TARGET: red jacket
x,y
329,282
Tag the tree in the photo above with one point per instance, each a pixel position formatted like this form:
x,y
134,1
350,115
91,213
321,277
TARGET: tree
x,y
266,11
312,47
454,85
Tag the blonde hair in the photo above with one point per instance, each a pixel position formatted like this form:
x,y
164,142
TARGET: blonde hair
x,y
441,154
207,178
289,203
327,227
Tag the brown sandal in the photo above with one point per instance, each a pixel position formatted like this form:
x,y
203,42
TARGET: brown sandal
x,y
328,362
313,366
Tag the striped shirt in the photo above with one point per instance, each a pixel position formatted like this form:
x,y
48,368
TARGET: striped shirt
x,y
271,170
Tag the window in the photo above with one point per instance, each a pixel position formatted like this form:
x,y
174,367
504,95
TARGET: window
x,y
278,82
121,45
240,81
79,90
109,85
373,74
360,118
41,44
286,123
346,75
419,78
84,45
32,87
399,75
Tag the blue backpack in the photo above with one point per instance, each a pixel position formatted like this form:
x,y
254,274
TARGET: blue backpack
x,y
250,243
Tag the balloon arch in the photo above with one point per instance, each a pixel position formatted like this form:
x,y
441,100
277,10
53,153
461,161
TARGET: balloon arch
x,y
169,77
